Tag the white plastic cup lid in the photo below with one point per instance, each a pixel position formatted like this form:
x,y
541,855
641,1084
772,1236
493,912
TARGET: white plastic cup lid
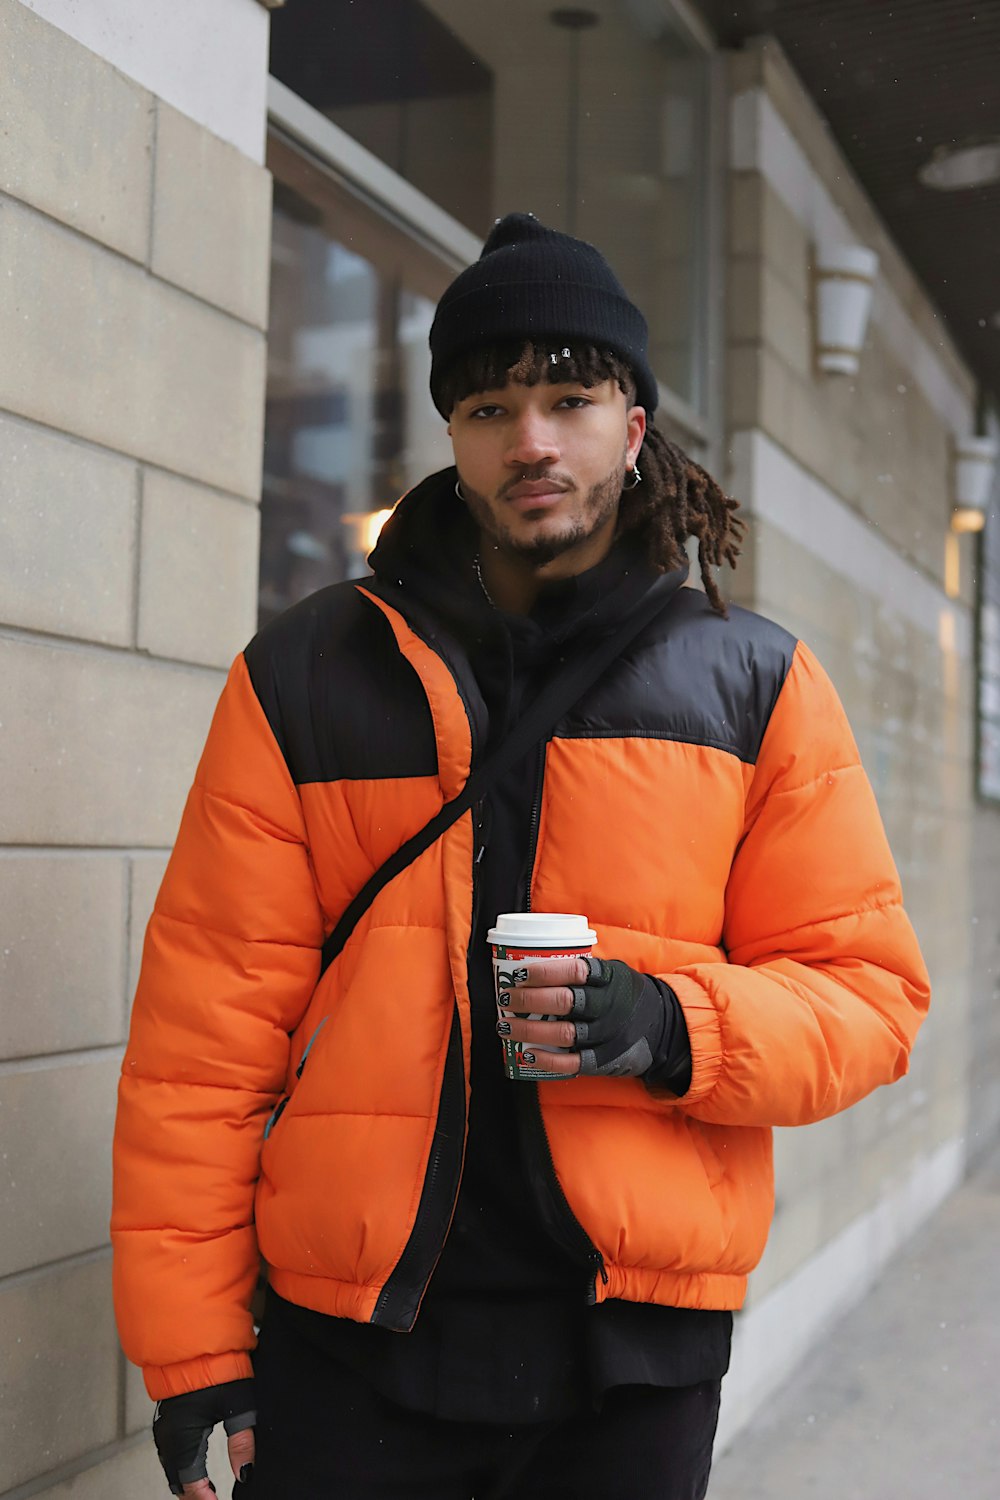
x,y
529,930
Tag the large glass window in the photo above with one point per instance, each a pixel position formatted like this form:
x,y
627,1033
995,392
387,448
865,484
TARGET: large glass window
x,y
400,80
350,424
598,128
593,118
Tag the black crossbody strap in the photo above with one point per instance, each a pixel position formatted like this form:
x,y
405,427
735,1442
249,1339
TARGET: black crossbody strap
x,y
542,716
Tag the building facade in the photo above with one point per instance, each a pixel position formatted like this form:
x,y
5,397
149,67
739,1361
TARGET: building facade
x,y
223,233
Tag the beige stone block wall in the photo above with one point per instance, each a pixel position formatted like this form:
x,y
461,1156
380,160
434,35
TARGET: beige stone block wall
x,y
877,447
985,1074
99,746
131,1470
60,1398
64,955
212,211
57,1125
67,535
134,254
876,439
197,571
81,155
96,346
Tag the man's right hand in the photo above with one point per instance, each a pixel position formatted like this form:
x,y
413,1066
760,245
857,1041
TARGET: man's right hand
x,y
181,1428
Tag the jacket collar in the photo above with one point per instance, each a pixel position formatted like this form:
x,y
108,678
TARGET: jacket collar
x,y
424,566
426,558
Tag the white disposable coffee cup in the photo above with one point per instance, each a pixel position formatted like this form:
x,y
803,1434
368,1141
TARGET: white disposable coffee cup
x,y
517,938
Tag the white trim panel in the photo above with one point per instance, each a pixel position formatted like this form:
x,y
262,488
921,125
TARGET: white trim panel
x,y
208,58
772,1338
760,141
367,174
773,486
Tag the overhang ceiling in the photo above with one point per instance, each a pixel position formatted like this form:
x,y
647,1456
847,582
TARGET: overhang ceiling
x,y
897,79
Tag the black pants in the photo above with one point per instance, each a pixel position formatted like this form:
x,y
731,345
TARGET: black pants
x,y
324,1434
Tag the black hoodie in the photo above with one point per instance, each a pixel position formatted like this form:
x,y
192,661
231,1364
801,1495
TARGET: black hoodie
x,y
504,1332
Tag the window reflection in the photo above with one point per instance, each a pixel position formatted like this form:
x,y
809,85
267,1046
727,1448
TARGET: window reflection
x,y
597,125
402,81
599,128
350,424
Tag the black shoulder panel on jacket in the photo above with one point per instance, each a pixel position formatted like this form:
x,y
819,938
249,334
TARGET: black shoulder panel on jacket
x,y
692,676
341,699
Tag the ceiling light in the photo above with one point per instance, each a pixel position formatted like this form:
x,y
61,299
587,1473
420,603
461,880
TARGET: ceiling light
x,y
966,518
975,471
973,164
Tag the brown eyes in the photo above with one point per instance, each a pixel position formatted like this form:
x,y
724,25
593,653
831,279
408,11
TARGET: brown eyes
x,y
571,403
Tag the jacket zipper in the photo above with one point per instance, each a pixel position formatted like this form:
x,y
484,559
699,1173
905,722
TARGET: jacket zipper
x,y
553,1205
536,814
399,1300
560,1220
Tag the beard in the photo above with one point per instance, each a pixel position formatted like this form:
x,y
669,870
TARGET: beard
x,y
600,505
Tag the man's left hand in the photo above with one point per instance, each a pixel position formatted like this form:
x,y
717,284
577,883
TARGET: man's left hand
x,y
615,1017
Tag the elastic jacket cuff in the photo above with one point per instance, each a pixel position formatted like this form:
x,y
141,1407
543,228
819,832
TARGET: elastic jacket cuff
x,y
671,1065
195,1374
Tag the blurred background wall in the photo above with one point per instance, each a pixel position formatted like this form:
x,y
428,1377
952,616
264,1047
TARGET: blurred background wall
x,y
210,400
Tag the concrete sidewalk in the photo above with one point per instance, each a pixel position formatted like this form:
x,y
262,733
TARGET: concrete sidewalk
x,y
903,1397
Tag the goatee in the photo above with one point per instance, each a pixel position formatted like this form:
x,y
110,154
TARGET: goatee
x,y
600,505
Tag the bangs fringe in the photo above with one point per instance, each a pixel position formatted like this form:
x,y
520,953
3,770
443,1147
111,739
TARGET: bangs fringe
x,y
555,363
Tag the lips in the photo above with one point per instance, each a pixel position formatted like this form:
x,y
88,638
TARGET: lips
x,y
535,487
534,493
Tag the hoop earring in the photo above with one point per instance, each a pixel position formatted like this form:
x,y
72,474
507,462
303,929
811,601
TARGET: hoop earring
x,y
635,477
458,491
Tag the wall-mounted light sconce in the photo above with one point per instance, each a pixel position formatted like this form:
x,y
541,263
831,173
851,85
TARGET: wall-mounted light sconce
x,y
845,279
975,467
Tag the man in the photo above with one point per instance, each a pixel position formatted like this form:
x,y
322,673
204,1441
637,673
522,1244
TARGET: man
x,y
483,1287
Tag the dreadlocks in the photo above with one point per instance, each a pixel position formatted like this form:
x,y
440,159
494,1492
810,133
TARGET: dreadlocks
x,y
677,498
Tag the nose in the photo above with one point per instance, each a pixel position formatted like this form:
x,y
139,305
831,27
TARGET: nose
x,y
532,441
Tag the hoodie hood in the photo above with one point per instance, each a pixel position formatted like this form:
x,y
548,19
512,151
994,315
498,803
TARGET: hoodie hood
x,y
426,556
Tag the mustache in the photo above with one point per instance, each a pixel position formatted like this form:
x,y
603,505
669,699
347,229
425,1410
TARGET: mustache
x,y
533,476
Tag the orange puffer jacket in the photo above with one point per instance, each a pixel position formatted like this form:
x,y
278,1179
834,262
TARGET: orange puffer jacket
x,y
740,856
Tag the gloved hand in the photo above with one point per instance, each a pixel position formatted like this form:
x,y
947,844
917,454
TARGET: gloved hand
x,y
621,1023
181,1427
619,1018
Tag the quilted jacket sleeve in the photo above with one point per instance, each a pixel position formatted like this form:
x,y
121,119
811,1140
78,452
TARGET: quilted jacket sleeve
x,y
825,986
230,962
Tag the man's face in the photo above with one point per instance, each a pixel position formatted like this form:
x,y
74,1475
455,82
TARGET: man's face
x,y
541,466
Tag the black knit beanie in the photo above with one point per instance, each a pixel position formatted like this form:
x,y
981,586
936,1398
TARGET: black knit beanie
x,y
533,283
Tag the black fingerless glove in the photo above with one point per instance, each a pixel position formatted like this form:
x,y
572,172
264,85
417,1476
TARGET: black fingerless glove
x,y
181,1426
630,1025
